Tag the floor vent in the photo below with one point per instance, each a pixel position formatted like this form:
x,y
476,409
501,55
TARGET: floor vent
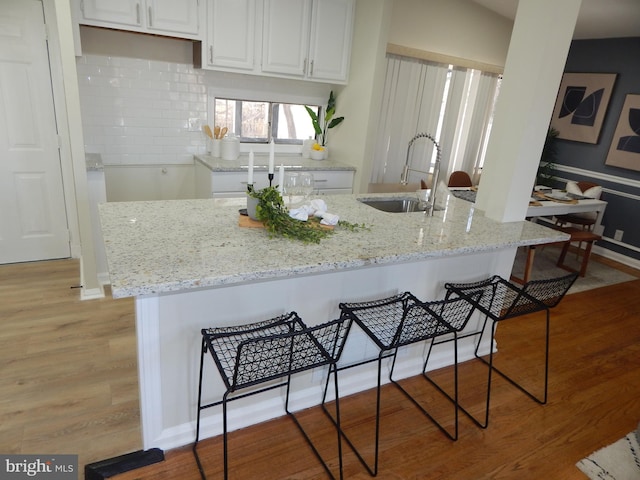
x,y
123,463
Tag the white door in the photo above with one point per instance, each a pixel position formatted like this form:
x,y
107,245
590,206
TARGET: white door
x,y
33,219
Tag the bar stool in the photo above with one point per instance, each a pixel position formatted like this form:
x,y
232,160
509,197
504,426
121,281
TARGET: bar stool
x,y
502,300
398,321
260,353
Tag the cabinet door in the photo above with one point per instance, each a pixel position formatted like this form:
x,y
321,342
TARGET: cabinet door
x,y
173,16
231,39
331,32
286,36
121,12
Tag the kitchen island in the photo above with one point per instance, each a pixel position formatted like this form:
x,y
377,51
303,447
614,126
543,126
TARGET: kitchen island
x,y
190,265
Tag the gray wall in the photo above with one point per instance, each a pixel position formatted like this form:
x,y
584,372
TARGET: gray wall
x,y
584,161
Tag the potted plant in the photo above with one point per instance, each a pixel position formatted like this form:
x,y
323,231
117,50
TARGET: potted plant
x,y
548,158
322,127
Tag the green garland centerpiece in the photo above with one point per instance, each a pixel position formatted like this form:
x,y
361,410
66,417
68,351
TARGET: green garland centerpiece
x,y
273,213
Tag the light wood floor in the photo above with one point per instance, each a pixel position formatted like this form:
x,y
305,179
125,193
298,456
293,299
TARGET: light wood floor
x,y
68,375
68,384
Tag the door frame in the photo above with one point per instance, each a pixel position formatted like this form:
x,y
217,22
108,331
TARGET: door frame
x,y
64,81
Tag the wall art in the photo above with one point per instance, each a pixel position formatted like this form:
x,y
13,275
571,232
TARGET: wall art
x,y
581,105
625,146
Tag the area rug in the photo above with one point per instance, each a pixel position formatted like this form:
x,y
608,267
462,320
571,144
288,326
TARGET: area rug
x,y
618,461
544,266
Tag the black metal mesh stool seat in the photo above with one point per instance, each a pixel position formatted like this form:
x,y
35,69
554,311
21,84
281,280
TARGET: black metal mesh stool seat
x,y
398,321
501,300
258,354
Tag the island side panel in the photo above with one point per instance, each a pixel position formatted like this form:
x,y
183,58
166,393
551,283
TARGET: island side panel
x,y
169,338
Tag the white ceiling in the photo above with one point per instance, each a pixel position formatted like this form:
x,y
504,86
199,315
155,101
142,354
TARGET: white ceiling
x,y
597,18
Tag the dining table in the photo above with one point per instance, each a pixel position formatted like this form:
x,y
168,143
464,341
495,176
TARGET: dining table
x,y
544,205
549,203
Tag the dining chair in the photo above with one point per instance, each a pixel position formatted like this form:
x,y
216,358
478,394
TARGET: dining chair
x,y
459,179
586,220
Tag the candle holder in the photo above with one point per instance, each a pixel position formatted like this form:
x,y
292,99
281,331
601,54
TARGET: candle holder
x,y
270,175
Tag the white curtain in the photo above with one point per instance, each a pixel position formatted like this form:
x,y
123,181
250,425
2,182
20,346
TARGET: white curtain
x,y
452,104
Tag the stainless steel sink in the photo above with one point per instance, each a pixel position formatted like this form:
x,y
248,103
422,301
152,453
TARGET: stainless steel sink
x,y
394,205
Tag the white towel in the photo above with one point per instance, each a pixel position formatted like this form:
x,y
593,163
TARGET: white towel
x,y
329,219
318,208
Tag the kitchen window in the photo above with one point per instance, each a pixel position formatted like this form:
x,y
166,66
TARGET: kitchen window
x,y
259,122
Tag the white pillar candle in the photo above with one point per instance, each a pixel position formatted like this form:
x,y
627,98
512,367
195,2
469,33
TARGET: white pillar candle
x,y
250,175
281,179
271,159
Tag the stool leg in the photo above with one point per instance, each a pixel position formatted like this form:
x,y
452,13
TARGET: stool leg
x,y
453,436
336,423
373,471
542,400
490,369
195,453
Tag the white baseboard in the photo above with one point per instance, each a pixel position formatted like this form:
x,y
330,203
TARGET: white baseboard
x,y
618,257
91,293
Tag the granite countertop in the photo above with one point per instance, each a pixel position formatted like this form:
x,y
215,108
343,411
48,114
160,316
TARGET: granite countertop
x,y
173,246
261,162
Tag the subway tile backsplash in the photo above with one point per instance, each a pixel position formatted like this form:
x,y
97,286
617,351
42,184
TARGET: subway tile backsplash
x,y
137,112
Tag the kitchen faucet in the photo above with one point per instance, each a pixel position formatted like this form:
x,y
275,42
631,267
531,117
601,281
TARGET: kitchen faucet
x,y
404,178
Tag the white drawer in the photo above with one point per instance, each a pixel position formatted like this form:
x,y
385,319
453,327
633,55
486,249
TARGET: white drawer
x,y
330,179
236,182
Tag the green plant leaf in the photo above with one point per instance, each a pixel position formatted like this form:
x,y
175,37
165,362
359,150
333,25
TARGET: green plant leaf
x,y
314,120
329,115
335,121
331,104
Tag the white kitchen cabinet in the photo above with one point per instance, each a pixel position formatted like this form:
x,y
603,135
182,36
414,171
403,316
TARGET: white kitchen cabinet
x,y
133,183
308,39
330,41
218,184
231,40
162,17
285,36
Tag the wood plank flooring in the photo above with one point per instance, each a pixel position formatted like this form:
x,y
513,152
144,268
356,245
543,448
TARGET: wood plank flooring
x,y
68,384
68,374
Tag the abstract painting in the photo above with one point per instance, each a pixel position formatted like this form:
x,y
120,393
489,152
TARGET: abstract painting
x,y
625,146
581,105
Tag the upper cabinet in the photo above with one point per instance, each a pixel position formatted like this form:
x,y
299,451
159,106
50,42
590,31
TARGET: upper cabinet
x,y
161,17
231,26
308,39
285,37
330,40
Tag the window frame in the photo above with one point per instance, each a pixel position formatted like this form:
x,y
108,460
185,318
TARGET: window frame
x,y
273,108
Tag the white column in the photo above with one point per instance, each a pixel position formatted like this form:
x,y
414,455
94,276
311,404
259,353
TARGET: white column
x,y
537,54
